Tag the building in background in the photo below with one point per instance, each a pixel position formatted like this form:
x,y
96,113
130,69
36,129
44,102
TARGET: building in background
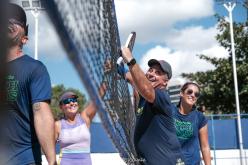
x,y
174,87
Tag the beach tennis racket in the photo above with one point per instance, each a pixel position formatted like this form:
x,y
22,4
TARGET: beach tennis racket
x,y
130,41
129,44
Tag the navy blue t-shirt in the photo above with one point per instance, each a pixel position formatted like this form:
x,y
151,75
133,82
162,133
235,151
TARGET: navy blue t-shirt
x,y
155,135
28,82
187,128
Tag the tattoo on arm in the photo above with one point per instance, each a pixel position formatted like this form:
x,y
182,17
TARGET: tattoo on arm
x,y
36,107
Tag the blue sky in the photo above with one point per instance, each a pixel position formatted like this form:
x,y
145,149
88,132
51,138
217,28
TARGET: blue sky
x,y
171,30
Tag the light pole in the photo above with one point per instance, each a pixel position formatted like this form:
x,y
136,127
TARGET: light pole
x,y
34,6
229,7
246,6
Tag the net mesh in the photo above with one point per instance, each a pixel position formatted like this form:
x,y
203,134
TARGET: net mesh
x,y
88,30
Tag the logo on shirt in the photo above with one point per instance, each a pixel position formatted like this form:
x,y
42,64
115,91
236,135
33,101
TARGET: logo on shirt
x,y
140,111
184,129
12,88
180,162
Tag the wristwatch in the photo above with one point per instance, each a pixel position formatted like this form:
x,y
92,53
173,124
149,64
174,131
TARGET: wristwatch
x,y
131,62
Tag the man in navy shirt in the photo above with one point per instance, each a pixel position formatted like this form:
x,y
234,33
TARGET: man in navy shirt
x,y
29,122
155,137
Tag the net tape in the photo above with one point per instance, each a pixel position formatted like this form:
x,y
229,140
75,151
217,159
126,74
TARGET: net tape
x,y
89,32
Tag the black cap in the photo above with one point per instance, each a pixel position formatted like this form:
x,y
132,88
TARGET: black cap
x,y
16,13
166,67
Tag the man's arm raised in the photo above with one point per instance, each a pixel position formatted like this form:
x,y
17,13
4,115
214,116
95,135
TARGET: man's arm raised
x,y
139,79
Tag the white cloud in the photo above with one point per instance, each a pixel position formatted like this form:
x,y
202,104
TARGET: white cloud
x,y
153,18
182,50
49,40
153,21
194,38
181,61
215,51
49,44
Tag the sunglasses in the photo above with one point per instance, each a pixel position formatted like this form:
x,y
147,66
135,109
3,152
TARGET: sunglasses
x,y
190,91
68,100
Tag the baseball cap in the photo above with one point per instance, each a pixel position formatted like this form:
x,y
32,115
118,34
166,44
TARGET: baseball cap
x,y
16,13
66,95
166,67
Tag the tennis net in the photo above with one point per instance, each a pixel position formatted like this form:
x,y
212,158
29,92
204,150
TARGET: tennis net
x,y
89,32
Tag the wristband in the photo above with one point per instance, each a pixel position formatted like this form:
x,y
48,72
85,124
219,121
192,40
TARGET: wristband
x,y
121,69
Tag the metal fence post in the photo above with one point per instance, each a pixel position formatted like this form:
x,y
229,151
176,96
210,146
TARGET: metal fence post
x,y
213,133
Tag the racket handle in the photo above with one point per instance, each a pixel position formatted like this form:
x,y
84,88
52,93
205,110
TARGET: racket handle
x,y
120,61
121,70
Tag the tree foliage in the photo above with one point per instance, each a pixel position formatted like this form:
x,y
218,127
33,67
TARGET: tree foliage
x,y
56,93
218,93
